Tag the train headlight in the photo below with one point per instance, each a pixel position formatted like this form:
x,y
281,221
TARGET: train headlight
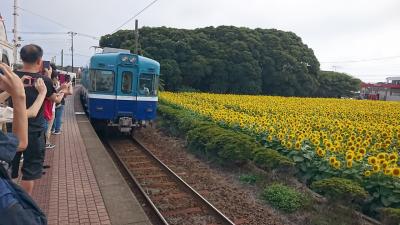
x,y
125,58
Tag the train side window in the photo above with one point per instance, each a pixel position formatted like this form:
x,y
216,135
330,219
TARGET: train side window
x,y
101,81
146,85
126,84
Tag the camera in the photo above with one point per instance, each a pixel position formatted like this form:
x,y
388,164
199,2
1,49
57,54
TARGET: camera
x,y
29,82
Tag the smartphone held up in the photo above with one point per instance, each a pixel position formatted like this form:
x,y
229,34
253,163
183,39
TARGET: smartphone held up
x,y
46,65
29,81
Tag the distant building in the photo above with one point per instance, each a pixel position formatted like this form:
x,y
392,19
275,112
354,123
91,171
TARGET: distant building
x,y
389,91
6,48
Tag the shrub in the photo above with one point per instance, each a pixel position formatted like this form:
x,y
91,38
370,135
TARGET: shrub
x,y
217,141
390,216
212,140
284,198
340,189
249,178
178,121
269,159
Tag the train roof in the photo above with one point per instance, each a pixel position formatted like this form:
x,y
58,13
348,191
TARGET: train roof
x,y
109,59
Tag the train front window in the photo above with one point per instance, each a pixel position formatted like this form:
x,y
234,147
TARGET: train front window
x,y
147,85
101,81
126,83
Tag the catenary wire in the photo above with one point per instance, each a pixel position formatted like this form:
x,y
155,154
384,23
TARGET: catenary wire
x,y
136,15
58,23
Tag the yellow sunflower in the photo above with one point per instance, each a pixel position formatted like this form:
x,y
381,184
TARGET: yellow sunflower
x,y
388,171
349,156
362,151
336,164
396,172
381,155
372,160
367,173
349,163
359,157
376,168
393,157
297,146
321,152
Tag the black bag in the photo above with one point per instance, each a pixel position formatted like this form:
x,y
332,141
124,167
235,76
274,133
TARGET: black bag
x,y
23,212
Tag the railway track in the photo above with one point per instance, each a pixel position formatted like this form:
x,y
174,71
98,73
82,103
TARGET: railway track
x,y
171,199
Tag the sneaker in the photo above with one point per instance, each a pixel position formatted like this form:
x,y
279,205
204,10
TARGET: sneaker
x,y
50,146
56,132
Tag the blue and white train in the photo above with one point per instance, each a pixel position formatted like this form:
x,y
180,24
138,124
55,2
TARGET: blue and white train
x,y
120,90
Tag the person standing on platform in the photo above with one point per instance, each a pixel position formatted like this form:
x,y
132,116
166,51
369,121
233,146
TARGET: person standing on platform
x,y
16,206
68,90
18,140
32,167
49,107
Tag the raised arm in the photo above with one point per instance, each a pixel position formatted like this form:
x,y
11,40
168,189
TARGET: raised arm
x,y
57,97
37,104
11,83
70,89
4,96
67,88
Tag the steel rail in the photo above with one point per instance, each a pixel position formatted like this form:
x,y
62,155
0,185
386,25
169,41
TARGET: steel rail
x,y
218,213
133,180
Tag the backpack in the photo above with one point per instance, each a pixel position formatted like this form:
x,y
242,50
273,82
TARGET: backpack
x,y
16,206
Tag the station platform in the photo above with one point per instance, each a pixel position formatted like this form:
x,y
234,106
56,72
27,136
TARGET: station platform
x,y
83,185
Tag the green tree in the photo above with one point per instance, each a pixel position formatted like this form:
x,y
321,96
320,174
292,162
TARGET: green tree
x,y
333,84
229,59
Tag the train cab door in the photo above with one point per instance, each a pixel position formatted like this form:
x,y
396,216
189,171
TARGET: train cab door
x,y
126,95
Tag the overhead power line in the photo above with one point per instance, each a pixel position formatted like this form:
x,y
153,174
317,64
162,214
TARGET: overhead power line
x,y
87,35
57,23
366,60
68,54
41,32
45,39
136,15
45,18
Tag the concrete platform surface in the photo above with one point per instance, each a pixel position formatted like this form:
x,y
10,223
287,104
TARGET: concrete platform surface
x,y
83,185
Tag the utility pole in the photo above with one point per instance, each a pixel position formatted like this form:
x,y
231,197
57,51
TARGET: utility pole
x,y
54,59
15,31
72,48
136,36
62,59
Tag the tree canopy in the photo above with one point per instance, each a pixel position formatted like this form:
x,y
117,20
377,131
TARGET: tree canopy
x,y
229,59
333,84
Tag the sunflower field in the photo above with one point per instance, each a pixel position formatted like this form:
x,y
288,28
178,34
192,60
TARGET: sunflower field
x,y
354,139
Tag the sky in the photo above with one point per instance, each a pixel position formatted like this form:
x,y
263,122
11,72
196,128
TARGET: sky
x,y
358,37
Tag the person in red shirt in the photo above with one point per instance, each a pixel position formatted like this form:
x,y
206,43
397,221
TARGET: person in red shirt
x,y
49,108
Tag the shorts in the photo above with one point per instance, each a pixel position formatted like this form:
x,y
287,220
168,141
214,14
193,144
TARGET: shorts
x,y
34,153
